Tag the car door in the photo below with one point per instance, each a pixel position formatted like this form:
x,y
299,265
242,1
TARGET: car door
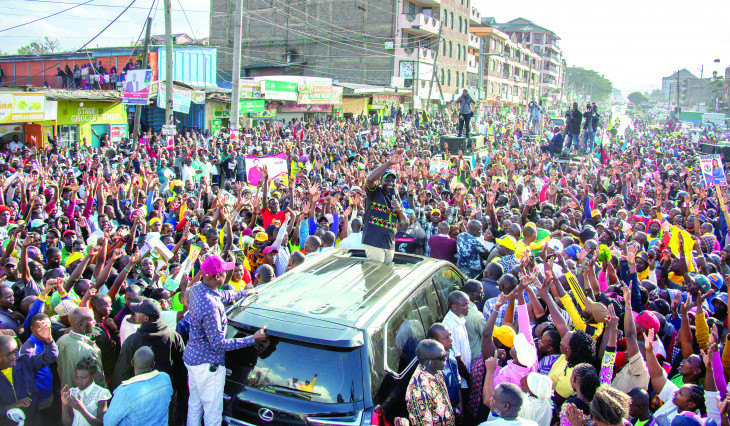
x,y
445,281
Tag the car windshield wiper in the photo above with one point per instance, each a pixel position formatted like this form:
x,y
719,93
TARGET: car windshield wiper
x,y
292,389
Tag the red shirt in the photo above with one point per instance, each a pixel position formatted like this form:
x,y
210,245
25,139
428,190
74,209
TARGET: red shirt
x,y
269,218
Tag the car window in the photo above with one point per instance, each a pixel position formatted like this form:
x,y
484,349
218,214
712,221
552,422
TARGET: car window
x,y
446,280
403,332
429,306
298,370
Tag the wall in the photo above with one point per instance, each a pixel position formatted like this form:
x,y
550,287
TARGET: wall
x,y
354,106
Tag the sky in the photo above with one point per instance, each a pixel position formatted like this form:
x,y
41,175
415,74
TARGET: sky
x,y
633,43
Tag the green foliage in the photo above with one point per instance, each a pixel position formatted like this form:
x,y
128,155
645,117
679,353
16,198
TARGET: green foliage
x,y
39,47
589,82
637,98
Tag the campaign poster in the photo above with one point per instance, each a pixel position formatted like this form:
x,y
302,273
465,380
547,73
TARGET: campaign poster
x,y
137,87
712,170
275,164
437,166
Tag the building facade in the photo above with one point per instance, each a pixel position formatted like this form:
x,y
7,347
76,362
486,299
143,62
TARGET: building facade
x,y
512,71
543,42
399,44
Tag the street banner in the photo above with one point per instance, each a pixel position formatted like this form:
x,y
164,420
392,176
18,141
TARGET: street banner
x,y
388,130
168,129
22,107
280,90
137,87
251,105
438,165
712,170
275,164
250,89
180,98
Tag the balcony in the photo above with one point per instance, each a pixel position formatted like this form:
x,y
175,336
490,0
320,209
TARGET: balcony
x,y
472,64
475,18
428,3
474,41
419,24
423,54
550,72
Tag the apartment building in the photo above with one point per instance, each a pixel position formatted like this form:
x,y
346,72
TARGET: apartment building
x,y
512,71
543,42
397,44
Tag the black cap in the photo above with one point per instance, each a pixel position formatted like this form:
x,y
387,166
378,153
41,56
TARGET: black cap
x,y
149,307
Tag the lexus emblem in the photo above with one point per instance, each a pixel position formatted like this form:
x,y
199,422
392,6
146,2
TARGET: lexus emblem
x,y
266,414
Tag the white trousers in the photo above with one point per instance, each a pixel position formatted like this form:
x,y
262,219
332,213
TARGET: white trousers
x,y
379,255
206,394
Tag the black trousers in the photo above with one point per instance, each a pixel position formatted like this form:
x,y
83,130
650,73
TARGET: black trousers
x,y
464,119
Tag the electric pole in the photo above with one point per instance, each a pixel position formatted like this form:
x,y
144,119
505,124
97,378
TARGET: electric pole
x,y
236,70
435,67
699,96
168,63
480,82
138,108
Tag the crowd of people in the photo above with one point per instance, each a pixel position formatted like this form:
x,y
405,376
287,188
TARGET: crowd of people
x,y
596,289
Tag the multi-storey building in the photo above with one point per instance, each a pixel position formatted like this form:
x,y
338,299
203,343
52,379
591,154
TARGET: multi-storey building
x,y
545,43
511,76
398,44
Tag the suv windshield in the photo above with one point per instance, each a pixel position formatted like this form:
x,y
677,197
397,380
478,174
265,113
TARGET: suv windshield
x,y
298,370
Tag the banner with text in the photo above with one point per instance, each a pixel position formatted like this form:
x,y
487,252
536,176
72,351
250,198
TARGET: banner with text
x,y
275,165
137,87
280,90
21,107
712,170
180,98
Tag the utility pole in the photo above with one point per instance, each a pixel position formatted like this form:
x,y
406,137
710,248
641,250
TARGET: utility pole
x,y
699,96
168,63
415,77
236,71
480,82
435,67
529,79
138,108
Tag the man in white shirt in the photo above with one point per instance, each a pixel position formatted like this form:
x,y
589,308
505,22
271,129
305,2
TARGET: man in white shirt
x,y
354,240
456,322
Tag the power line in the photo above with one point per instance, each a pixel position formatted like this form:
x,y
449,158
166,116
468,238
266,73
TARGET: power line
x,y
107,5
47,16
88,42
192,32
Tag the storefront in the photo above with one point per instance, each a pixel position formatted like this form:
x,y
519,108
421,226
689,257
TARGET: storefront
x,y
84,122
18,113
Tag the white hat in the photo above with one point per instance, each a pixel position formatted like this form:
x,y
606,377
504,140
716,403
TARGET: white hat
x,y
526,353
556,245
540,385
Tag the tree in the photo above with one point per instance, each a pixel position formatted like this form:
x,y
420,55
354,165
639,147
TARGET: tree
x,y
637,98
39,47
589,82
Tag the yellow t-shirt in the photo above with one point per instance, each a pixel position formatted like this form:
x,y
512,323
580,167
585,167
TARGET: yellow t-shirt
x,y
560,375
8,372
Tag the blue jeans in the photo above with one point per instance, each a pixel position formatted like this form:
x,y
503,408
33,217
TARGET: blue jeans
x,y
575,139
588,140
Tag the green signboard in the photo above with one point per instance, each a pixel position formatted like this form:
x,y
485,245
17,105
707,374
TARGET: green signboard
x,y
221,114
251,105
338,112
280,90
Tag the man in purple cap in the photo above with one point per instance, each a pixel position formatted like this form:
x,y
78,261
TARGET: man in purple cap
x,y
204,354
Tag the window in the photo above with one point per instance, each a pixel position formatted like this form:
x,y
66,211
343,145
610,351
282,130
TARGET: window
x,y
448,78
446,18
409,8
457,79
451,50
443,47
68,136
458,52
451,20
403,332
430,307
446,281
463,80
460,25
442,77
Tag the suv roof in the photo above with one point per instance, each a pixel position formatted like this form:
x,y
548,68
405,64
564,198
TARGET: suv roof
x,y
336,292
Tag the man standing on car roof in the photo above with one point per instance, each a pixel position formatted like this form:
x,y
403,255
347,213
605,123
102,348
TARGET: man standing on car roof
x,y
383,211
